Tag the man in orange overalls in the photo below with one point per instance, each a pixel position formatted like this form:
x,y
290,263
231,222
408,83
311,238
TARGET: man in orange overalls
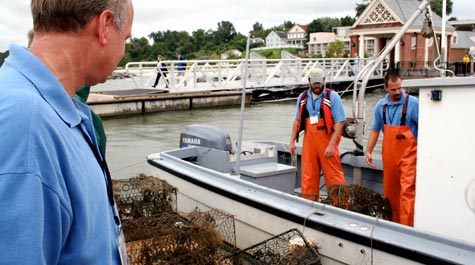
x,y
397,116
320,113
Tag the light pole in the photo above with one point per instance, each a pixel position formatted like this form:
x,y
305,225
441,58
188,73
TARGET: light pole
x,y
443,39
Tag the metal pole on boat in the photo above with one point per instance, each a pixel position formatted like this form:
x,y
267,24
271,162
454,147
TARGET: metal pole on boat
x,y
443,39
357,172
243,105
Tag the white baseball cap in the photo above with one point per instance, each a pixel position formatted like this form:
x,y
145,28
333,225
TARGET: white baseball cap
x,y
316,75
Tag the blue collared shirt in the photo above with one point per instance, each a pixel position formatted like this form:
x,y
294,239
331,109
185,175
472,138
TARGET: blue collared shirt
x,y
313,106
394,112
53,197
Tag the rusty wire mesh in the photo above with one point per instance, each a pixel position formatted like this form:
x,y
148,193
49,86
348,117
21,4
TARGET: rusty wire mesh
x,y
288,248
224,223
143,196
156,234
172,239
359,199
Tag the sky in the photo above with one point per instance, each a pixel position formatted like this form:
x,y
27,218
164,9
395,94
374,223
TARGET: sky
x,y
190,15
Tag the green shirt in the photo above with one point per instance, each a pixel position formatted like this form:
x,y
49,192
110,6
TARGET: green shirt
x,y
82,95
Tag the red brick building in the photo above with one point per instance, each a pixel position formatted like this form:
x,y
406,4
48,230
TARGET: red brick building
x,y
383,19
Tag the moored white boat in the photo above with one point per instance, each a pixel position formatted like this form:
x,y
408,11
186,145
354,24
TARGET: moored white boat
x,y
258,186
204,180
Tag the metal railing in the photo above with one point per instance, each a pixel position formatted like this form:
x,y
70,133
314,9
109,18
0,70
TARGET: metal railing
x,y
227,74
426,69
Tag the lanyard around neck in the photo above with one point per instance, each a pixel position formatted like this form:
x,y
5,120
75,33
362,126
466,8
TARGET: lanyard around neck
x,y
403,114
105,169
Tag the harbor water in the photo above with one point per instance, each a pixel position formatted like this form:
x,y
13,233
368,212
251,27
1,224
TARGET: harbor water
x,y
131,138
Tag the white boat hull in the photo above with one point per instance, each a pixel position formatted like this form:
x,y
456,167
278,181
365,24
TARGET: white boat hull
x,y
342,237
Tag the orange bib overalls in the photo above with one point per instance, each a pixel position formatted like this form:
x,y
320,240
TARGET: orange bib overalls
x,y
315,142
399,164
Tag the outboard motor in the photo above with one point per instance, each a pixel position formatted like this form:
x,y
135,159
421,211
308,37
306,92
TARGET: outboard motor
x,y
206,136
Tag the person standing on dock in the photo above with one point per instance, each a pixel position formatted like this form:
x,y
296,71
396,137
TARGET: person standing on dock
x,y
181,65
56,192
466,64
356,63
161,70
397,116
320,113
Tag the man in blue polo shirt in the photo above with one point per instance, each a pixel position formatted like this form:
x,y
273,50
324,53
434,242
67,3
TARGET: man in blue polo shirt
x,y
320,113
397,116
56,200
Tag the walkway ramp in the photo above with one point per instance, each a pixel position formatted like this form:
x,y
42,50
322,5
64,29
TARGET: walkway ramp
x,y
202,75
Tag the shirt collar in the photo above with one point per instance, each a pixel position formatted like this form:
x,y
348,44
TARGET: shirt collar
x,y
45,82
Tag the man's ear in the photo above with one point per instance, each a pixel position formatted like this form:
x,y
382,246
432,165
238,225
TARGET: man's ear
x,y
105,24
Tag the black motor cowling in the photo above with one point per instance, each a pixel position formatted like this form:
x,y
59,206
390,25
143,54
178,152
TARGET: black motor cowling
x,y
206,136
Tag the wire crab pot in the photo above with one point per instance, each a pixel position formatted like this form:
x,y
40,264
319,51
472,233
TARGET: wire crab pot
x,y
359,199
144,196
156,234
288,248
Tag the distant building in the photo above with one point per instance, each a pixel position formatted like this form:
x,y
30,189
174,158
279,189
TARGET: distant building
x,y
382,20
461,43
297,36
206,57
276,39
227,54
319,41
468,23
343,34
257,41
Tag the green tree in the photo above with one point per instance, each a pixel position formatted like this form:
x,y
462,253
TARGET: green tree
x,y
239,42
157,36
184,44
324,24
139,49
258,31
225,32
436,6
329,23
335,50
360,7
347,21
315,26
210,43
198,38
257,27
288,25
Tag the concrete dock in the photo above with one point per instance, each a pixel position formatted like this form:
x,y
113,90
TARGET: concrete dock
x,y
137,101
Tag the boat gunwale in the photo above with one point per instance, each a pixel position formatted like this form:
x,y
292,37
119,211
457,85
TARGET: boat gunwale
x,y
423,246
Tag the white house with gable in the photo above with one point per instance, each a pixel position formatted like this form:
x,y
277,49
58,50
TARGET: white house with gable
x,y
276,39
297,36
